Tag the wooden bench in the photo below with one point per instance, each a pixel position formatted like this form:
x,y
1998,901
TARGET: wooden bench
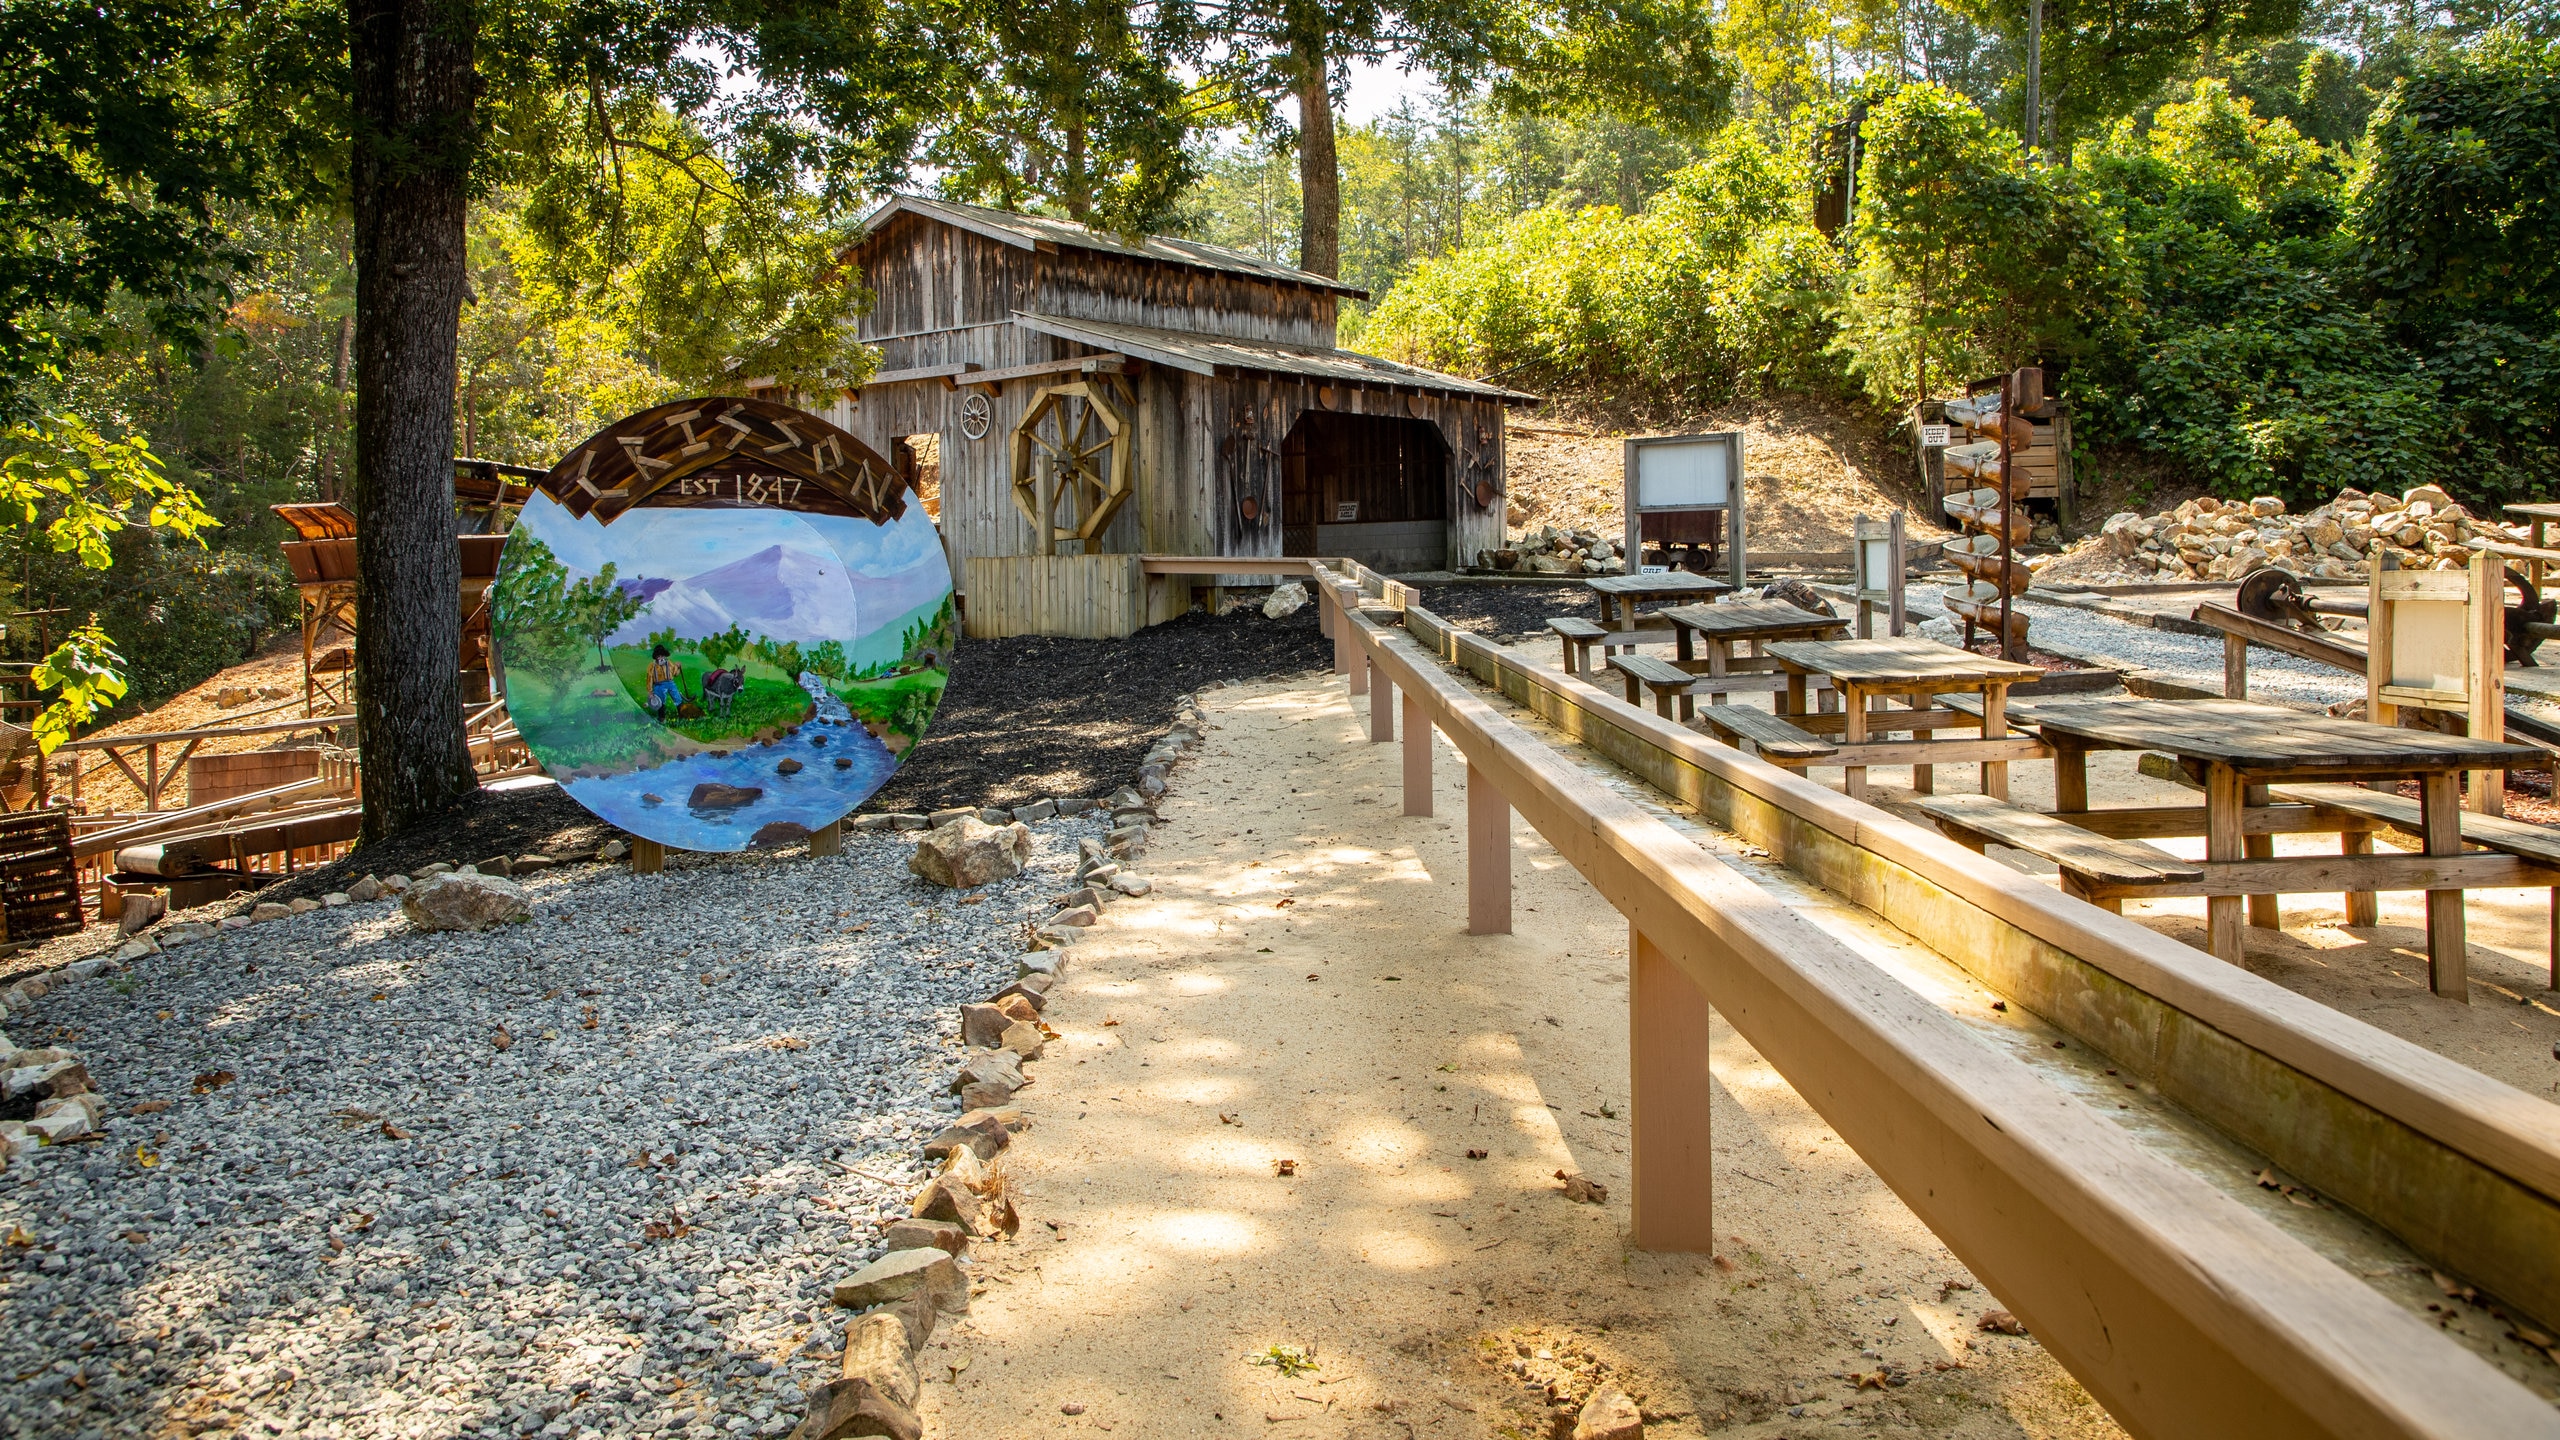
x,y
1771,737
2085,858
1663,678
2402,815
1578,635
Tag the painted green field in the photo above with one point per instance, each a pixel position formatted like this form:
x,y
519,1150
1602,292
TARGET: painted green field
x,y
770,701
576,726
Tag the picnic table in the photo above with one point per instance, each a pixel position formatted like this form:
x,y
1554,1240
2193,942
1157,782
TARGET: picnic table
x,y
2248,757
1619,595
1916,671
1751,623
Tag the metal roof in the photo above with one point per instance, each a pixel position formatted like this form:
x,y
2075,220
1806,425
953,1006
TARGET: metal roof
x,y
1029,232
1203,354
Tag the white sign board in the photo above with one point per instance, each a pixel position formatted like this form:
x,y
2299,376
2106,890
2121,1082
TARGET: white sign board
x,y
1700,474
1676,475
1934,437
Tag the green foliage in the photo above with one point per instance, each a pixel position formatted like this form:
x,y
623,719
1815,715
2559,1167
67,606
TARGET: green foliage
x,y
1075,105
1959,247
1703,296
530,606
85,674
720,649
114,155
828,660
89,483
782,655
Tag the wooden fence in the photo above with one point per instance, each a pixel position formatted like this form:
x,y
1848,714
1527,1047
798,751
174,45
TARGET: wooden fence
x,y
2182,1312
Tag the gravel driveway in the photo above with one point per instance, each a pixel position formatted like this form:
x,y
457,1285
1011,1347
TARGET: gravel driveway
x,y
591,1175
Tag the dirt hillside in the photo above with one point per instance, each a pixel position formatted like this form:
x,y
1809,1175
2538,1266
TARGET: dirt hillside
x,y
1809,472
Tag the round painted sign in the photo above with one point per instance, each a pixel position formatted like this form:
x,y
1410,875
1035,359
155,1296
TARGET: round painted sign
x,y
720,624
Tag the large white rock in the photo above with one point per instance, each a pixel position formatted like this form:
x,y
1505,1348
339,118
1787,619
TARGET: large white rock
x,y
1286,599
465,902
969,852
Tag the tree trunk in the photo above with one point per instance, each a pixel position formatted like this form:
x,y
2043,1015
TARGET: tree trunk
x,y
414,89
1079,184
1319,172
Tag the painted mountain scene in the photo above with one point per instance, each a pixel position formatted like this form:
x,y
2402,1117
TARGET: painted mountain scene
x,y
719,677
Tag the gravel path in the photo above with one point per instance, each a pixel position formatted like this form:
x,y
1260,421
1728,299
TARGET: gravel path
x,y
2194,660
353,1213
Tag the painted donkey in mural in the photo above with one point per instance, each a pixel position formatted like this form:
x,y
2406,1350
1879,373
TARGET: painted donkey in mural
x,y
720,689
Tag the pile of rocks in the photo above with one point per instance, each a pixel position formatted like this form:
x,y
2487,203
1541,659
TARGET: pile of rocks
x,y
1549,550
45,1091
2210,539
920,1278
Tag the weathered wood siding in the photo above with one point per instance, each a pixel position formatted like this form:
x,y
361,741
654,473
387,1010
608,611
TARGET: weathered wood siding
x,y
945,295
1245,421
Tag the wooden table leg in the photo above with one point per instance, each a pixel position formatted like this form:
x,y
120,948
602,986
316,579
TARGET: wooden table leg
x,y
1995,726
1795,693
2070,776
2448,961
2263,911
1685,643
1853,715
2222,837
2363,907
1719,663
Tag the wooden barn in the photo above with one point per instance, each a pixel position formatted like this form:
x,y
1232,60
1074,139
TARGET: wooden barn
x,y
1157,397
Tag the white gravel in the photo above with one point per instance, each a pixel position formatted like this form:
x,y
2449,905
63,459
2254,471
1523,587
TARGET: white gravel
x,y
2193,660
388,1226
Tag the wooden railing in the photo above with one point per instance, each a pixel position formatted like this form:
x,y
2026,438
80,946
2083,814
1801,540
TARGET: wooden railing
x,y
2182,1312
154,779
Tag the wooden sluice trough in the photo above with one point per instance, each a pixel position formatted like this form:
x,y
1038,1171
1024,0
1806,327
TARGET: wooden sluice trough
x,y
2182,1311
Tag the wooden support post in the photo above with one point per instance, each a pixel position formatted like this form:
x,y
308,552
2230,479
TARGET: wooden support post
x,y
2235,667
827,839
1995,726
2488,712
2363,906
2264,912
1355,664
1417,758
2448,959
1668,1136
1382,706
2070,777
2554,982
1488,856
1853,731
648,857
2222,841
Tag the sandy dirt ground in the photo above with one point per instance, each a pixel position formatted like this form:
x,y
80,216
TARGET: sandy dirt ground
x,y
105,789
1299,988
1808,475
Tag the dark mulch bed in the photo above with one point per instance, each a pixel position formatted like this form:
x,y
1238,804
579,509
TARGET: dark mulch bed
x,y
1493,610
1023,718
1029,716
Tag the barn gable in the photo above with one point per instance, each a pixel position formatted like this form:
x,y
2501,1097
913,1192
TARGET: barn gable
x,y
1019,342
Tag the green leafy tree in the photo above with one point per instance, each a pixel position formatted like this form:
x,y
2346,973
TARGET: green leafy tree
x,y
782,655
90,485
531,605
1651,61
1961,251
2102,60
1077,105
86,675
718,650
829,660
598,606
